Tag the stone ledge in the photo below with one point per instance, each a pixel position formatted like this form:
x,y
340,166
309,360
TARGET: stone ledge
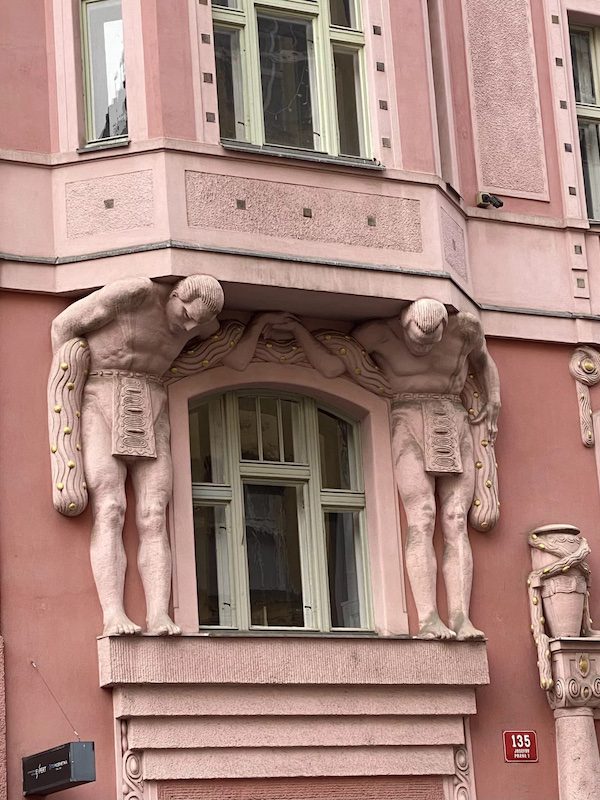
x,y
198,659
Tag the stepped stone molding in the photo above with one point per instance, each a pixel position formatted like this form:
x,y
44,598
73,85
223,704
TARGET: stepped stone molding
x,y
352,218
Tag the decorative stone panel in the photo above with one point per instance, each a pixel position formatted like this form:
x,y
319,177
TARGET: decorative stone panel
x,y
507,119
113,203
576,673
215,707
453,242
221,202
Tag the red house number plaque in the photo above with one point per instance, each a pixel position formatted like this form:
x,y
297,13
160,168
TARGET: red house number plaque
x,y
520,746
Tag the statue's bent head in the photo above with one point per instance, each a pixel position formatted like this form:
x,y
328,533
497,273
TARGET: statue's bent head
x,y
195,299
423,322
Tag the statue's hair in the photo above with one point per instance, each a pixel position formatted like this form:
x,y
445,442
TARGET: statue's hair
x,y
427,313
201,287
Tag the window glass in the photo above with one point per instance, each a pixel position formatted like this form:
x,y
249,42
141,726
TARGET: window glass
x,y
226,3
212,568
589,140
107,105
248,412
334,443
346,91
269,428
342,13
229,83
341,537
286,78
583,75
206,433
273,550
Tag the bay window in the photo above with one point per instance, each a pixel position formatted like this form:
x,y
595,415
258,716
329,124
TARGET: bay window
x,y
278,510
290,74
585,53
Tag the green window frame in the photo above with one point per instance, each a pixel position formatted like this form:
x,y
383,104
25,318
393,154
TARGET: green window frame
x,y
312,62
103,71
279,514
585,55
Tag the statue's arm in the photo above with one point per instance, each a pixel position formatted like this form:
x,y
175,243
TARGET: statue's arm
x,y
99,308
484,366
370,335
325,362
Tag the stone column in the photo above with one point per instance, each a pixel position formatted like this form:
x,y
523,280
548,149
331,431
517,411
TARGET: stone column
x,y
577,754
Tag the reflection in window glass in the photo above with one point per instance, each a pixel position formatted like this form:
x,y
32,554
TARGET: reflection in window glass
x,y
346,90
341,537
200,445
226,3
248,427
212,566
269,428
229,83
342,13
286,49
583,76
107,105
273,551
589,140
334,443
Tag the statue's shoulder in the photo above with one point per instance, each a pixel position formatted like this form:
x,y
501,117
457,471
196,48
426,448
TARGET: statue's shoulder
x,y
468,326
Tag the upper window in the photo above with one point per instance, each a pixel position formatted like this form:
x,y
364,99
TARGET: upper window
x,y
104,70
585,52
290,74
279,512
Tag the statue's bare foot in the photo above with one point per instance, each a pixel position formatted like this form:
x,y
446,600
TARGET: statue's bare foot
x,y
163,625
119,624
434,628
466,631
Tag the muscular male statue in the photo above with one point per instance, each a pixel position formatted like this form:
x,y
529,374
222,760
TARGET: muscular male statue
x,y
426,356
134,329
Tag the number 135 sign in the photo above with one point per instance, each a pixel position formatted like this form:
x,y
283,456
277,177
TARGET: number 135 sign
x,y
520,746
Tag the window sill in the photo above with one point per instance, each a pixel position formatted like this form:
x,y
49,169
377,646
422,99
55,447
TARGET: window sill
x,y
107,144
302,155
293,633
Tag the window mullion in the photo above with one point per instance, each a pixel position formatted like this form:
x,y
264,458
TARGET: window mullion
x,y
252,79
326,100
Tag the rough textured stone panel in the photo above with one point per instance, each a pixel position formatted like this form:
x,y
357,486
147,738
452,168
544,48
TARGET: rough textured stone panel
x,y
453,241
237,660
507,114
410,788
277,209
112,203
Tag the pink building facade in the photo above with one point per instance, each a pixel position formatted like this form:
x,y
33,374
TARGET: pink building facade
x,y
334,160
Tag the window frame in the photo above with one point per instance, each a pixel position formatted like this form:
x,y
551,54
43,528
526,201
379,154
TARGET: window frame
x,y
306,476
326,37
90,138
586,112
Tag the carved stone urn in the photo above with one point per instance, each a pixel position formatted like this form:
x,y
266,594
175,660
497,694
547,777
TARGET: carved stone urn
x,y
563,594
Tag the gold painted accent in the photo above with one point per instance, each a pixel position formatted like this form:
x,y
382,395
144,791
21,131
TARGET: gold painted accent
x,y
174,370
547,653
84,484
83,344
583,664
589,434
475,394
54,448
478,464
67,429
488,483
72,506
531,628
565,569
71,464
587,365
585,692
498,504
471,375
343,351
534,535
528,582
358,371
542,546
477,502
70,386
327,338
216,336
283,358
77,446
205,362
78,414
543,620
60,486
484,524
534,600
269,345
484,442
472,412
546,570
58,409
64,366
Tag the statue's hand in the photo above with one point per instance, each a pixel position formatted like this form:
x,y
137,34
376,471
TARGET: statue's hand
x,y
278,320
490,411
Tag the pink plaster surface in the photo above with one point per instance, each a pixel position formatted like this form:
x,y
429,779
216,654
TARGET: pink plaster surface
x,y
130,199
376,788
505,96
454,246
278,208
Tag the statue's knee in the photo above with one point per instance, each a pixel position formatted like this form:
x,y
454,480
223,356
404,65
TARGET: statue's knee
x,y
151,516
110,512
455,515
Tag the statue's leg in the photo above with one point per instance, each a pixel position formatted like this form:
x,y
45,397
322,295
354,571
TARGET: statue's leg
x,y
455,494
417,490
152,484
105,477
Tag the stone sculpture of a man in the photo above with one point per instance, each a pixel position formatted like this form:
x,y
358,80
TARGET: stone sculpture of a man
x,y
426,356
134,329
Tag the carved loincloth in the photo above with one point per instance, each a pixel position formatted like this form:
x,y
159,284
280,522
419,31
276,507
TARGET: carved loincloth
x,y
443,418
132,415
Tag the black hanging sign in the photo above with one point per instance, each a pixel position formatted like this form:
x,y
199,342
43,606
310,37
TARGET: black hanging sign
x,y
60,768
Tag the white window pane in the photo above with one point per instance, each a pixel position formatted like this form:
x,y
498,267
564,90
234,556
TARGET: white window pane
x,y
342,13
583,75
286,67
212,566
106,67
334,447
273,552
589,139
346,91
344,568
229,84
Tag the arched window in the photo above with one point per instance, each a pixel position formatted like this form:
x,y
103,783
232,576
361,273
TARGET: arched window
x,y
279,514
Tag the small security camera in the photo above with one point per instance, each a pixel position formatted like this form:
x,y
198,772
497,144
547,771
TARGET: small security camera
x,y
485,200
